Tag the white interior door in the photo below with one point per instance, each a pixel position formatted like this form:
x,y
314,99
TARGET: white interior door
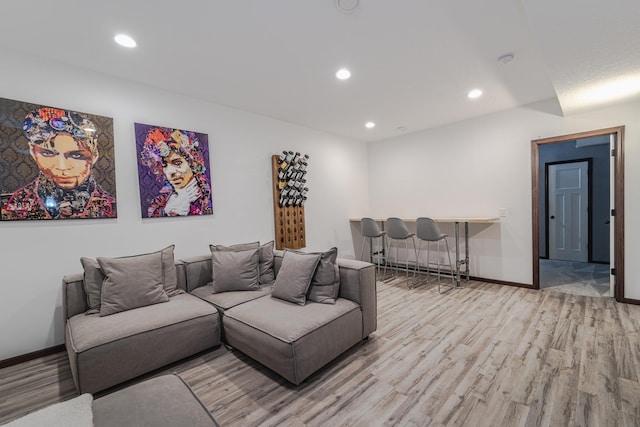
x,y
568,211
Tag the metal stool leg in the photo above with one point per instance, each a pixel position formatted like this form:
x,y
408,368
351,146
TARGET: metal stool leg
x,y
364,241
453,280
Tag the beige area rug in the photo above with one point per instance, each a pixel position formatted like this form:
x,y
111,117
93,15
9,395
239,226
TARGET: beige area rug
x,y
75,412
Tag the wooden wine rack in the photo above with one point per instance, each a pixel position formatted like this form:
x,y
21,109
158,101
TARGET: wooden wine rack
x,y
288,220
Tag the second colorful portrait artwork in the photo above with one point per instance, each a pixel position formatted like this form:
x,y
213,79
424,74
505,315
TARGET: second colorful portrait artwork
x,y
173,172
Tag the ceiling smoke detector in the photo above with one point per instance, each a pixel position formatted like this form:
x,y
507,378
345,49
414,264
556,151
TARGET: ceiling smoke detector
x,y
506,58
347,6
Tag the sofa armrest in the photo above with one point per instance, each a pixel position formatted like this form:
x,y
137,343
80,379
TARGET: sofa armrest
x,y
181,275
74,298
358,284
197,271
277,260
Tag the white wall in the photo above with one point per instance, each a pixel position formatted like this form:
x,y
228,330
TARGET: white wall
x,y
475,167
36,254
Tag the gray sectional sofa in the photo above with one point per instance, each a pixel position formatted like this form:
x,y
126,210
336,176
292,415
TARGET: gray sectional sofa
x,y
292,339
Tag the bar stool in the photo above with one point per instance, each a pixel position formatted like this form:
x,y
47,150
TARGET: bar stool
x,y
428,231
371,230
397,230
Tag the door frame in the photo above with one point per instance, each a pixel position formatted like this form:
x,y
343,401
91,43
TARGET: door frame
x,y
618,183
589,162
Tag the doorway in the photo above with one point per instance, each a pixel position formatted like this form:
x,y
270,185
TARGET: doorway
x,y
586,227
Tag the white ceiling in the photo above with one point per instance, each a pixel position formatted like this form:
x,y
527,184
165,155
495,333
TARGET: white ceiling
x,y
412,61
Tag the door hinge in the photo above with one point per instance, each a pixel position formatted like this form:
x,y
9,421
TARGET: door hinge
x,y
613,271
613,152
613,212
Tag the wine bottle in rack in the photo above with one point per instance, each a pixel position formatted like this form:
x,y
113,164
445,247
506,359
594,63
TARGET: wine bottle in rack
x,y
282,160
289,157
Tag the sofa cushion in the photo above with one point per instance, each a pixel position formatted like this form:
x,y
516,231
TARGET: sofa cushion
x,y
223,301
267,274
235,270
93,277
286,321
131,282
294,276
325,283
169,273
92,281
104,351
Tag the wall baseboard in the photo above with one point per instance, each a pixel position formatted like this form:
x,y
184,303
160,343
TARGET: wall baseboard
x,y
30,356
629,301
500,282
522,285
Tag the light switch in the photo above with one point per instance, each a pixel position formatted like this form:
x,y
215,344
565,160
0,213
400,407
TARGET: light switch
x,y
502,212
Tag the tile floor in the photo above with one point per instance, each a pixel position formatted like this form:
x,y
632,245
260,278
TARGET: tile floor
x,y
578,278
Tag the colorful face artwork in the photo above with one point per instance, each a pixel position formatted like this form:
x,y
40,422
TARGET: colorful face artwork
x,y
173,172
57,165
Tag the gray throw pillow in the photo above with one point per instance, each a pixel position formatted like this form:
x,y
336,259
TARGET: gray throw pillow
x,y
92,282
267,274
294,276
169,274
325,283
131,282
235,270
238,247
93,278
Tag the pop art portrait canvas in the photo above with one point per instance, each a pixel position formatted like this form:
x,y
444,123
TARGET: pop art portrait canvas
x,y
173,172
55,163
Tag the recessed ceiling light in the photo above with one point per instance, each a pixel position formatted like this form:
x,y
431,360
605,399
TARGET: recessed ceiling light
x,y
343,74
475,93
369,125
124,40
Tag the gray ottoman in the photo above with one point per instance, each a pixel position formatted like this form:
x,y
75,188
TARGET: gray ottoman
x,y
293,340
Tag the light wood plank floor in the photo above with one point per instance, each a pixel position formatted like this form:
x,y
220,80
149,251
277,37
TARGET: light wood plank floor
x,y
485,355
